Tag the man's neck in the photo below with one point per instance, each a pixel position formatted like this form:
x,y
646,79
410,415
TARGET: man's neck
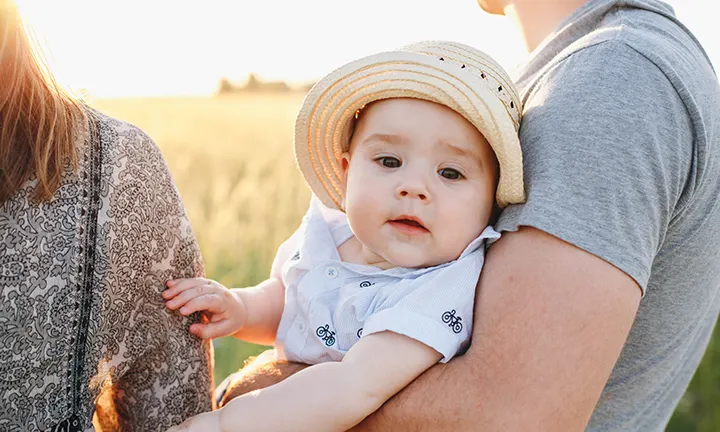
x,y
537,19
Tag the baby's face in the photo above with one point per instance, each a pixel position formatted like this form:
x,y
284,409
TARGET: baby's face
x,y
419,182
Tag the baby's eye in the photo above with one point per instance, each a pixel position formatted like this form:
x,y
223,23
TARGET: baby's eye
x,y
389,162
450,174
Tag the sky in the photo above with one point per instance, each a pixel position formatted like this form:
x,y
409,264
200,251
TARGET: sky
x,y
139,48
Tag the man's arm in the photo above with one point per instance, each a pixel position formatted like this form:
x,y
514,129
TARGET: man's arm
x,y
550,322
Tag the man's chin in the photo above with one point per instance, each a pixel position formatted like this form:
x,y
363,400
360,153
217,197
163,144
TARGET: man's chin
x,y
491,7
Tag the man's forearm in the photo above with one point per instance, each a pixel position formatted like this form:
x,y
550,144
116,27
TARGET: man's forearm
x,y
550,322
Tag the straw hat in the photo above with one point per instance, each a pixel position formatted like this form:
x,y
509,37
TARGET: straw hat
x,y
452,74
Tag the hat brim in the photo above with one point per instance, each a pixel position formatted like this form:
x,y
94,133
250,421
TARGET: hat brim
x,y
323,125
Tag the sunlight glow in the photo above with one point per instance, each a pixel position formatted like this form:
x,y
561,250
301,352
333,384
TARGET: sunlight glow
x,y
166,47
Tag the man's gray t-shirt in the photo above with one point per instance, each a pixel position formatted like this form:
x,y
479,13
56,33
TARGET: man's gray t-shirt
x,y
621,140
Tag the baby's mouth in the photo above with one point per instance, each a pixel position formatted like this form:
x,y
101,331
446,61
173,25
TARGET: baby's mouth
x,y
409,225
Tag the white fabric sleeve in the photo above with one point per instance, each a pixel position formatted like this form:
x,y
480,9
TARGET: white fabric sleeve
x,y
438,311
289,247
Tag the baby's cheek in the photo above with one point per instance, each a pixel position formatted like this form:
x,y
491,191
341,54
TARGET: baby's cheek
x,y
362,224
360,191
359,208
455,241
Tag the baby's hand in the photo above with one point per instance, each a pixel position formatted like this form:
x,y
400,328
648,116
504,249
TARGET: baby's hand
x,y
223,307
206,422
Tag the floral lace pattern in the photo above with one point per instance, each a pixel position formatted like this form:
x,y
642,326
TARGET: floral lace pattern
x,y
81,316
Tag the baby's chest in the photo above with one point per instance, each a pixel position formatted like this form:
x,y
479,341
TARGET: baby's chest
x,y
340,292
334,303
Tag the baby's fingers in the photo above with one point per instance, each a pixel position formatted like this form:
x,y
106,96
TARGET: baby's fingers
x,y
207,302
213,330
209,421
177,286
190,292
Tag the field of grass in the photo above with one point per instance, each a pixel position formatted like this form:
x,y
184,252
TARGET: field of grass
x,y
232,160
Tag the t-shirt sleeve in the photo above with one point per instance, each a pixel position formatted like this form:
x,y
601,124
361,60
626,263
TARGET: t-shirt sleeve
x,y
607,146
438,311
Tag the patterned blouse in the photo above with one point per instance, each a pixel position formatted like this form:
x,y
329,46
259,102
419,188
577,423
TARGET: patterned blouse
x,y
83,328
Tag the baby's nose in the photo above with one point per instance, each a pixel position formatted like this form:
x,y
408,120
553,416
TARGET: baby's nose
x,y
405,193
413,190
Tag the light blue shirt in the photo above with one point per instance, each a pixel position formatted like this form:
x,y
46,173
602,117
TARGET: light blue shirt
x,y
331,304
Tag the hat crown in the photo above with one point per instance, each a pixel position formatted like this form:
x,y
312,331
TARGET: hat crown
x,y
477,63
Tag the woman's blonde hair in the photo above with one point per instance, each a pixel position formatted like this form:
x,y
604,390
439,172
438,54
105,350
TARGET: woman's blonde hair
x,y
39,122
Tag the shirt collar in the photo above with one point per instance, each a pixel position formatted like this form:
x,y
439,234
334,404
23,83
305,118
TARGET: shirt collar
x,y
488,234
332,219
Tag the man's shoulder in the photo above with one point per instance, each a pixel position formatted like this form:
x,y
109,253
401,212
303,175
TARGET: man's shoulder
x,y
603,77
630,40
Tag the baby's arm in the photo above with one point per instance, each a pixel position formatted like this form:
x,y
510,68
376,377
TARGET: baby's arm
x,y
264,304
331,396
250,314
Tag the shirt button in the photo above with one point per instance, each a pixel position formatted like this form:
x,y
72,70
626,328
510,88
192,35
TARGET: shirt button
x,y
301,326
331,272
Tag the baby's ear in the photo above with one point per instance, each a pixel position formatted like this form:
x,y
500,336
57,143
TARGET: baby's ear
x,y
344,160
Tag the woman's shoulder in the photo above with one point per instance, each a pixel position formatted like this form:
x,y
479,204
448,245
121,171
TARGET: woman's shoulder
x,y
129,154
135,177
120,137
140,200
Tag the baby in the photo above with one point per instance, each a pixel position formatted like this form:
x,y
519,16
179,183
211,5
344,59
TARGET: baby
x,y
406,153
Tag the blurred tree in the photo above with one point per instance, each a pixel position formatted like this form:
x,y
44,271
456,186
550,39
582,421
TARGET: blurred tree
x,y
225,86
